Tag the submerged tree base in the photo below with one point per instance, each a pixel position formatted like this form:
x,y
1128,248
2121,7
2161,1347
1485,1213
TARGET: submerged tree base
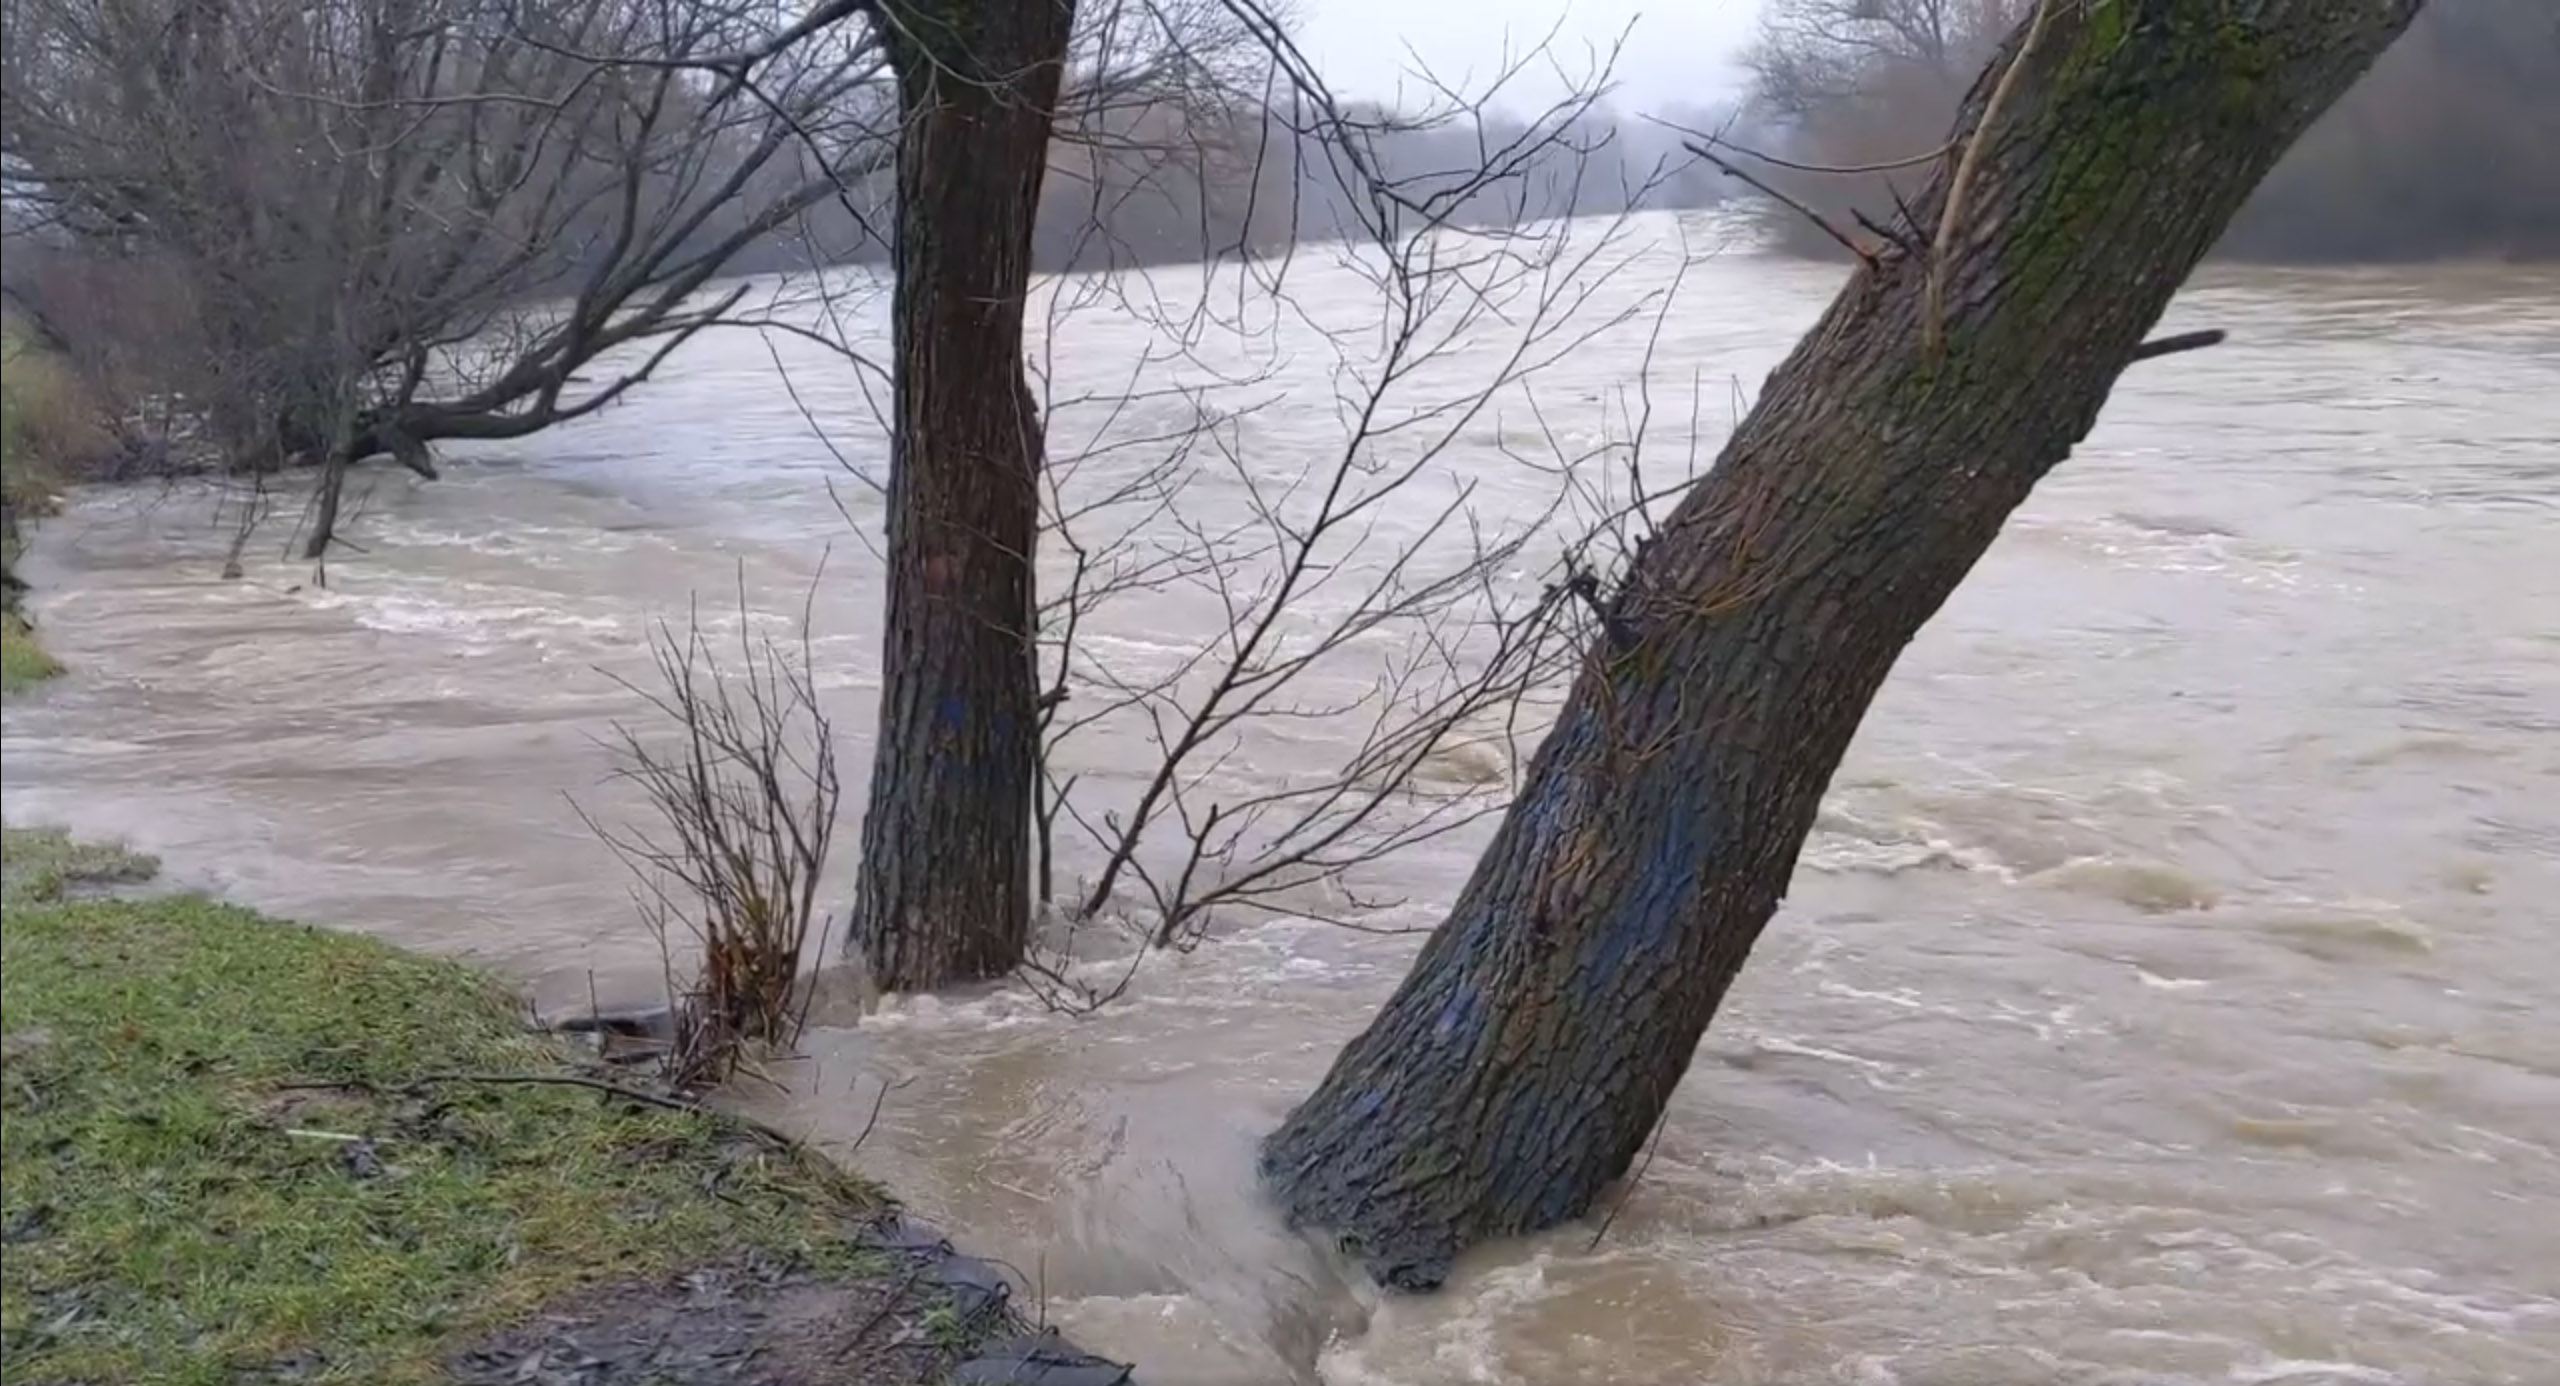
x,y
1521,1067
1525,1061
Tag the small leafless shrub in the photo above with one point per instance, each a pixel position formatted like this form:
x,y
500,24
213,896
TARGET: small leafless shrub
x,y
744,795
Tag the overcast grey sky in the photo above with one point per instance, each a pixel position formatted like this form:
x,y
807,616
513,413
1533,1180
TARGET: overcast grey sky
x,y
1677,51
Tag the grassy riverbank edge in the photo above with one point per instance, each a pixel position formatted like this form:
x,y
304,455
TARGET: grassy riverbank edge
x,y
23,662
238,1149
36,398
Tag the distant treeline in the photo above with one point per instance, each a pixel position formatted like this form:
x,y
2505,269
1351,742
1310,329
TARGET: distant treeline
x,y
274,234
1167,186
2444,151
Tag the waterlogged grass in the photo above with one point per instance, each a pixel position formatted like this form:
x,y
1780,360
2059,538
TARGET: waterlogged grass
x,y
48,418
218,1162
23,662
42,865
43,411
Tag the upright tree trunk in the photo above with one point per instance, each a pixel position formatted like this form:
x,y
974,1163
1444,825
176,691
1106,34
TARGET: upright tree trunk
x,y
338,456
944,891
1522,1065
324,506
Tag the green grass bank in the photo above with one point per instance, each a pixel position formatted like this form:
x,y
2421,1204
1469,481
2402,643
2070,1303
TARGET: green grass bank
x,y
239,1150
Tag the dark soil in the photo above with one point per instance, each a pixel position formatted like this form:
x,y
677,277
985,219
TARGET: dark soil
x,y
736,1325
916,1313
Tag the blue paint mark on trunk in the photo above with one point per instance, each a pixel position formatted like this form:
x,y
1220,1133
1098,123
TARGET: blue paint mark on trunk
x,y
1464,1010
1638,926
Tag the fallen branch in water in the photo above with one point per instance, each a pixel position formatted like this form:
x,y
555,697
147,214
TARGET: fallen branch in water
x,y
878,1099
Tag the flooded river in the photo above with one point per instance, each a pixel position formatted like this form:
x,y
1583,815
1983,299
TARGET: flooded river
x,y
2168,995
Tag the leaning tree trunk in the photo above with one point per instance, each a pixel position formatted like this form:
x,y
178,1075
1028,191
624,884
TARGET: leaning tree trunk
x,y
944,890
1521,1066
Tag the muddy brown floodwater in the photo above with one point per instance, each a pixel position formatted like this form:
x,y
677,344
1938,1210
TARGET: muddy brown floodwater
x,y
2168,994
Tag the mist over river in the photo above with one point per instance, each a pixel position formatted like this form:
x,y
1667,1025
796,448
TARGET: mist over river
x,y
2168,995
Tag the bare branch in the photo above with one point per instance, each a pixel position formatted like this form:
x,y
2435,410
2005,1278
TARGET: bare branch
x,y
1354,586
2182,341
397,222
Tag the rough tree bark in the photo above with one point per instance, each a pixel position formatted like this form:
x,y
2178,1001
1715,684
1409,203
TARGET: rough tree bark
x,y
337,455
944,891
1523,1063
324,507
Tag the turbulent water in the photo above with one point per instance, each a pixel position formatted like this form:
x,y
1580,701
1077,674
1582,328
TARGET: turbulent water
x,y
2165,996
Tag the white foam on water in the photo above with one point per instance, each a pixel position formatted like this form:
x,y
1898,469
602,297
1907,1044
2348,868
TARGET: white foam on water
x,y
2275,1372
1847,841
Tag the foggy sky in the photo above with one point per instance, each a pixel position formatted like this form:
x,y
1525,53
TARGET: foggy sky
x,y
1677,51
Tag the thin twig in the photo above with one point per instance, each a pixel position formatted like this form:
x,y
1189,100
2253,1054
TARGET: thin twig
x,y
1792,203
1887,166
877,1099
639,1096
1628,1193
890,1304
